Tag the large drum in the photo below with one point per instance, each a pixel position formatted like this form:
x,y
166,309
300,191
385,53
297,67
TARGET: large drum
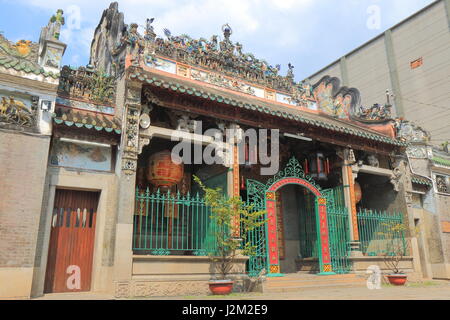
x,y
162,172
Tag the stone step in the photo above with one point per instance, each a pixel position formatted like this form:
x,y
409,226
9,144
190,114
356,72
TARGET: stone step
x,y
312,283
301,288
309,277
299,281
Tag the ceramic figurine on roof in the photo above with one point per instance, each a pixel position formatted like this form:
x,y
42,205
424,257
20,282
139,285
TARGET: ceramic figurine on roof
x,y
375,114
85,83
226,46
290,73
134,43
410,132
445,146
56,22
21,49
224,56
150,34
53,30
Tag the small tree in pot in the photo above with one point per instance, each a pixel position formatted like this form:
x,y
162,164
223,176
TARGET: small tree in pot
x,y
225,213
396,249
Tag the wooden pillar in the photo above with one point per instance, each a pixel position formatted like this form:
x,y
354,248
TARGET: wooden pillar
x,y
348,180
353,217
236,188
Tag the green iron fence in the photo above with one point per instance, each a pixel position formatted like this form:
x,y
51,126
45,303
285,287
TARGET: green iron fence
x,y
339,239
172,224
257,239
339,230
377,229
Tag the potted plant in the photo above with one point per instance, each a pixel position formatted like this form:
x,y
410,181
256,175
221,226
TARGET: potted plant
x,y
225,213
396,249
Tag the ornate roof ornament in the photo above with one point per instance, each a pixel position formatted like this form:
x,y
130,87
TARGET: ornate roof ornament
x,y
227,31
53,30
150,34
22,56
87,84
224,57
377,113
410,132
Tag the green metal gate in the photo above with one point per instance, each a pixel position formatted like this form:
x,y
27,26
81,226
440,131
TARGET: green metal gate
x,y
338,224
258,236
339,233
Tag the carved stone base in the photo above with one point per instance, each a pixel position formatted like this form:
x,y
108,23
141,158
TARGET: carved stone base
x,y
148,288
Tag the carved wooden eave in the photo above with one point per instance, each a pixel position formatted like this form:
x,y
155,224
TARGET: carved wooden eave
x,y
183,96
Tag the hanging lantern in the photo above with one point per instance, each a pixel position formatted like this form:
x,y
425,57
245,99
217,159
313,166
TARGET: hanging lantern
x,y
318,166
358,192
162,172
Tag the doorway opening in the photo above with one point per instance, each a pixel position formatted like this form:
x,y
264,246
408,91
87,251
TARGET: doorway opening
x,y
298,245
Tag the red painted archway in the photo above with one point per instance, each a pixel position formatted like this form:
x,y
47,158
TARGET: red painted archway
x,y
321,218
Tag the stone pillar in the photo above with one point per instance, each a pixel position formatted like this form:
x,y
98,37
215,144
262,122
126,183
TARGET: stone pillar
x,y
51,49
123,259
348,179
405,181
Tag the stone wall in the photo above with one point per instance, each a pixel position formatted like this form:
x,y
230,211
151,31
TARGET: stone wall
x,y
160,276
23,168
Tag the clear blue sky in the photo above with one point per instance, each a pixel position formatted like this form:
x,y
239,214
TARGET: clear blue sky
x,y
308,33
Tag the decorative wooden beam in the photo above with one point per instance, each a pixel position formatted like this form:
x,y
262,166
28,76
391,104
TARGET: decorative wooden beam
x,y
256,119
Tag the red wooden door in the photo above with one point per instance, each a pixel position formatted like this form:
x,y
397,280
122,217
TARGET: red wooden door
x,y
70,255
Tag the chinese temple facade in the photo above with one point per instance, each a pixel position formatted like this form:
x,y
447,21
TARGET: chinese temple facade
x,y
111,211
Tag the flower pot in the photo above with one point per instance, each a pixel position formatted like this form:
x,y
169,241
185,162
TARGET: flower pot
x,y
221,287
397,279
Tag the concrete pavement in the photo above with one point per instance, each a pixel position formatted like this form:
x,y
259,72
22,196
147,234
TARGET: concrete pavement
x,y
428,290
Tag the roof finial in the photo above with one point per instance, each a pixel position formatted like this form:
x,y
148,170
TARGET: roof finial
x,y
227,31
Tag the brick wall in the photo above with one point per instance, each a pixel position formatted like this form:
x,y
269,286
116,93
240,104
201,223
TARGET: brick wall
x,y
23,163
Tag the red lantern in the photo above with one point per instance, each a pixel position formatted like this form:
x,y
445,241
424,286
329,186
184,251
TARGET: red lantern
x,y
358,192
162,171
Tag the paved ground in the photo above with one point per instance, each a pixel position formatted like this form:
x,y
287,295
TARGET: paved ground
x,y
429,290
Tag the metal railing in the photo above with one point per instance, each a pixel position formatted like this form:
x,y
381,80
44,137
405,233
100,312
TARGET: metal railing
x,y
172,224
378,230
257,239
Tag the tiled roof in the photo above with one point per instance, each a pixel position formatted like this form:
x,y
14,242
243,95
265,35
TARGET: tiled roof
x,y
11,58
264,107
421,180
10,62
441,161
89,120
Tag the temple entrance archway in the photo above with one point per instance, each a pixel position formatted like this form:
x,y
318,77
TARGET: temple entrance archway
x,y
263,197
297,230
